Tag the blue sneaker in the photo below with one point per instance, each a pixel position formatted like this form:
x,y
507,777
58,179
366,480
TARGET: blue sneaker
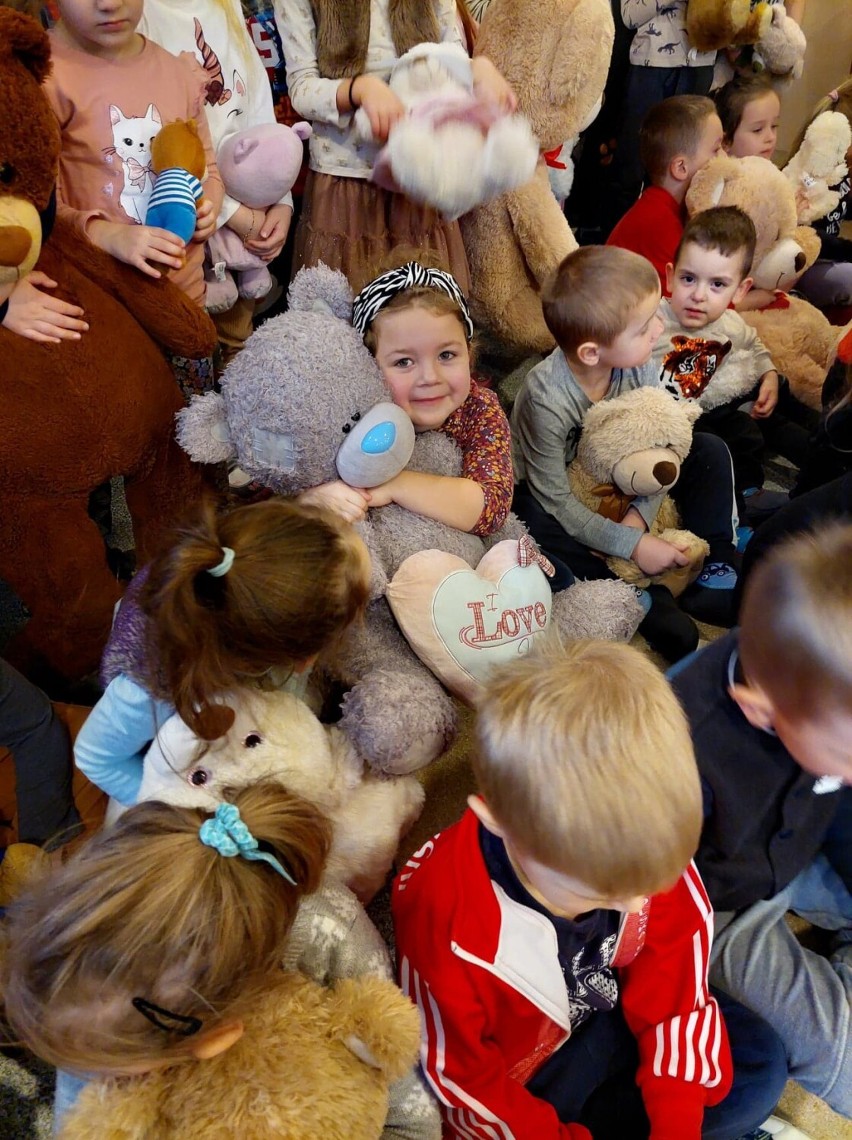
x,y
717,576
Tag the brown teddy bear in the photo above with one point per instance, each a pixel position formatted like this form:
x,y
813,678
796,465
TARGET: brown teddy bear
x,y
716,24
799,337
76,414
555,54
311,1062
633,446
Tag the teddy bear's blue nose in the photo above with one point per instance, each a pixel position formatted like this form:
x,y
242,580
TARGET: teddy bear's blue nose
x,y
379,439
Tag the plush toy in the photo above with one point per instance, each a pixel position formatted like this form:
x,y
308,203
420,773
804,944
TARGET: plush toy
x,y
303,385
312,1061
20,865
177,159
712,25
555,54
798,336
275,734
257,167
819,164
452,150
634,445
781,47
560,169
77,413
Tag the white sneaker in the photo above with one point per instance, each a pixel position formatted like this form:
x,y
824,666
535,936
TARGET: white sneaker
x,y
776,1129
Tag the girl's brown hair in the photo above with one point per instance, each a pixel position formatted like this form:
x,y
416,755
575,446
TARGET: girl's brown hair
x,y
298,578
146,910
732,99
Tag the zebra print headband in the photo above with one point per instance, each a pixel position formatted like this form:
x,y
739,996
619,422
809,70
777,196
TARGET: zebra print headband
x,y
373,297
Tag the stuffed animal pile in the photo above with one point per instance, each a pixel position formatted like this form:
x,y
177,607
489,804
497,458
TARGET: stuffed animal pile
x,y
820,164
304,385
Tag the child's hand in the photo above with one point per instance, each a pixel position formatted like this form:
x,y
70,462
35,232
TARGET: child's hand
x,y
273,233
490,85
654,555
384,109
138,245
767,396
40,317
205,221
348,503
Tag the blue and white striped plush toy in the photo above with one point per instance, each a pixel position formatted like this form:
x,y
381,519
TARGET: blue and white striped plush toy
x,y
177,158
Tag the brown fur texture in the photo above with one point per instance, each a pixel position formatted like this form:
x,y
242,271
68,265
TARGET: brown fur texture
x,y
294,1073
77,413
555,54
343,32
178,144
799,337
638,429
716,24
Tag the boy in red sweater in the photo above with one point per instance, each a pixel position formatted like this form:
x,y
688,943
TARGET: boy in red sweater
x,y
679,136
556,939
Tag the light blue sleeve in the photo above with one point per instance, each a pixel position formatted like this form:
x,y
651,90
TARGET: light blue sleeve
x,y
112,743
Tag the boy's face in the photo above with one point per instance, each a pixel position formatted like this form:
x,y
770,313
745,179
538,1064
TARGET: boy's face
x,y
704,283
105,28
709,145
633,347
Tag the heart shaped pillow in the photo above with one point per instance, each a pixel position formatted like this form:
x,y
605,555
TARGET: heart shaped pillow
x,y
461,622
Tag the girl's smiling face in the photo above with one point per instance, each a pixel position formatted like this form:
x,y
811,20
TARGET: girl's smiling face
x,y
425,359
758,129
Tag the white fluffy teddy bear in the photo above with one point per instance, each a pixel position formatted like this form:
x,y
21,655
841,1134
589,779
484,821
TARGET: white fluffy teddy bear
x,y
819,164
452,150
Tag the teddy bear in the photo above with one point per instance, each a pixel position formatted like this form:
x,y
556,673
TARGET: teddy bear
x,y
178,161
634,445
275,734
312,1061
712,25
780,49
305,403
555,54
820,164
257,167
452,150
76,414
800,339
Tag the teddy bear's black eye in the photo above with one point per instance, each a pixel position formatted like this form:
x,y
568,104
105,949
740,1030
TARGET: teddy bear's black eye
x,y
252,740
7,173
356,417
346,429
198,777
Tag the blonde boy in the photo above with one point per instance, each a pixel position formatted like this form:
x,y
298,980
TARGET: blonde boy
x,y
679,136
559,925
770,707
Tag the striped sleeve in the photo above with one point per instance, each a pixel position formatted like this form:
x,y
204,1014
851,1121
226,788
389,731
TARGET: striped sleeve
x,y
464,1068
684,1057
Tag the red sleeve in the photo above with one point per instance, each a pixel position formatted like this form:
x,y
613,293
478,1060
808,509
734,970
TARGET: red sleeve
x,y
654,237
481,430
684,1056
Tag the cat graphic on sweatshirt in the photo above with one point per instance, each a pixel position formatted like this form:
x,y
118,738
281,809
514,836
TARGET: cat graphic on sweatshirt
x,y
132,138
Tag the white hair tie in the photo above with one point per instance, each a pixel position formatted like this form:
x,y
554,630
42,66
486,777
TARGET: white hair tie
x,y
222,568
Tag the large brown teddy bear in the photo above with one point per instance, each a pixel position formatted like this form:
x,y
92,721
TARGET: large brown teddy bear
x,y
716,24
76,414
555,54
799,337
311,1062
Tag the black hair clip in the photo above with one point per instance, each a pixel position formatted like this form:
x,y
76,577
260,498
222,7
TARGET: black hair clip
x,y
165,1019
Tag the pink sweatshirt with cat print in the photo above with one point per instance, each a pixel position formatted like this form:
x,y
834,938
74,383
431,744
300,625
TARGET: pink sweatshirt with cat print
x,y
109,111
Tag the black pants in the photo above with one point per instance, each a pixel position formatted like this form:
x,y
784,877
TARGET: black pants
x,y
591,1080
704,494
744,440
41,751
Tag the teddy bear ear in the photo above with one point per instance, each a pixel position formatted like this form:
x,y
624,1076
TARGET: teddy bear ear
x,y
202,430
318,287
692,410
23,37
708,185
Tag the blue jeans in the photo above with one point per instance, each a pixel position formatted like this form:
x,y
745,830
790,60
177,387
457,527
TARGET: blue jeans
x,y
591,1080
805,998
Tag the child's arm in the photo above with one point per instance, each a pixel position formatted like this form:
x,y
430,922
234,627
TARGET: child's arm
x,y
27,311
451,500
110,746
635,13
144,247
767,396
684,1056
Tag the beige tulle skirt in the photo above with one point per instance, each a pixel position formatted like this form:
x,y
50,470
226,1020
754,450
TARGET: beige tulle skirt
x,y
352,225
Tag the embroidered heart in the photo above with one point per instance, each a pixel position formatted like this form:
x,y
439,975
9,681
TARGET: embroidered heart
x,y
461,622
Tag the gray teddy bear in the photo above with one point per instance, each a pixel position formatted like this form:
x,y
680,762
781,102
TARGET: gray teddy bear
x,y
304,403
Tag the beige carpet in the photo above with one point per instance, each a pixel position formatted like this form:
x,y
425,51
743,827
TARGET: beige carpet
x,y
449,782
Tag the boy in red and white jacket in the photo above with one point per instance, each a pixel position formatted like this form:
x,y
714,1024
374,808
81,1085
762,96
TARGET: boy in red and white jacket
x,y
554,943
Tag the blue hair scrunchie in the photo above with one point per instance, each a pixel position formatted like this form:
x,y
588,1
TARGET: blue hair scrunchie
x,y
227,833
